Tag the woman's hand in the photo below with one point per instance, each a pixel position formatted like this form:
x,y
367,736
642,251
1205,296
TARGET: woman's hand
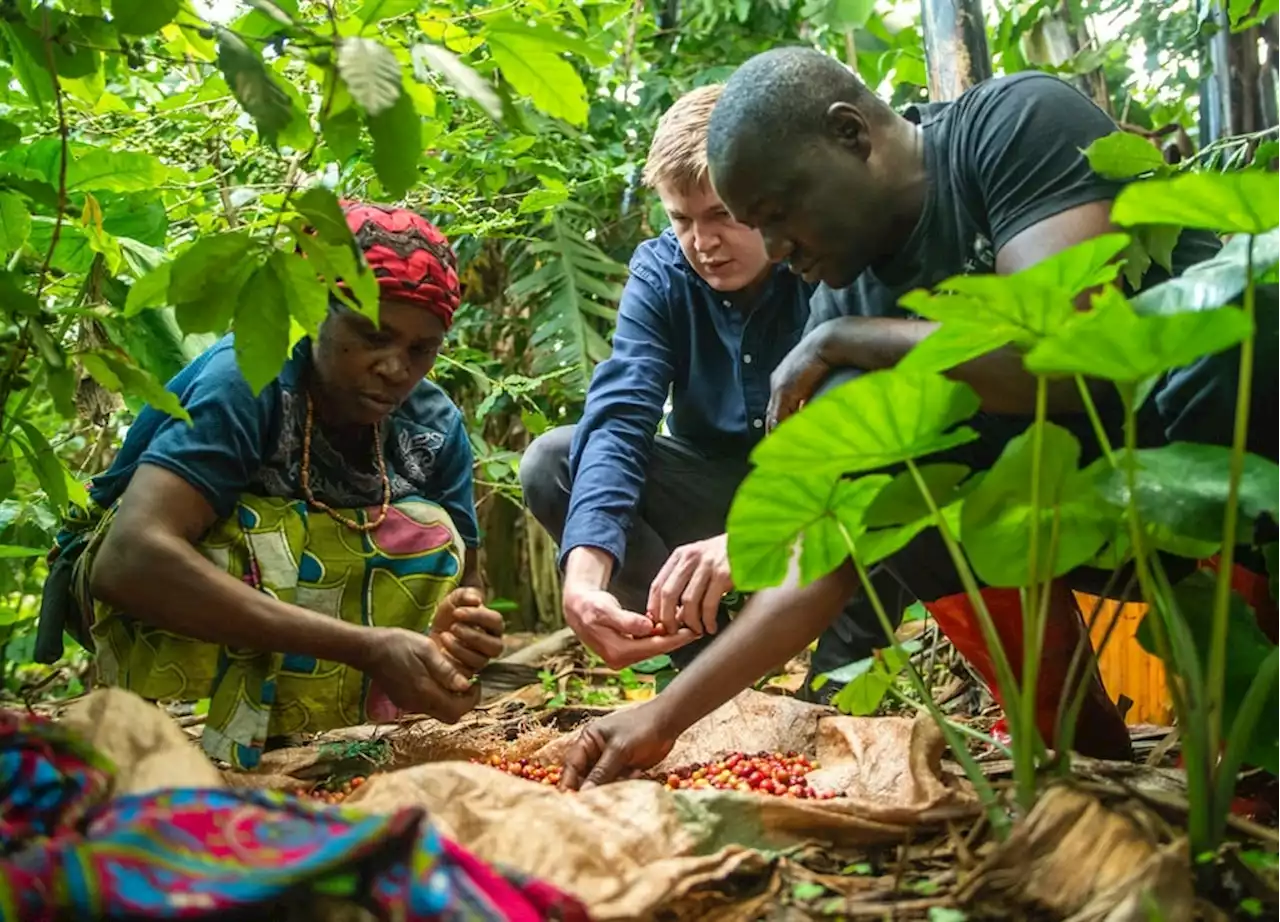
x,y
418,676
468,631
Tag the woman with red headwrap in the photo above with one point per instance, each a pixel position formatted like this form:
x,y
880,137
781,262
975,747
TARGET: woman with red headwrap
x,y
305,557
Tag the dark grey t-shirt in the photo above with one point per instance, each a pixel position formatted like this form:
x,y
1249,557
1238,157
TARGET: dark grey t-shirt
x,y
1003,157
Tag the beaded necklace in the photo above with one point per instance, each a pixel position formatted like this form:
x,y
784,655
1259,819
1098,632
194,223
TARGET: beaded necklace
x,y
382,472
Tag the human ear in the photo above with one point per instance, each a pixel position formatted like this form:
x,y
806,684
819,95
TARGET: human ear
x,y
848,127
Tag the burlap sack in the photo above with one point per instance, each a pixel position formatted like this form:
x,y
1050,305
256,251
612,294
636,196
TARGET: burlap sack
x,y
149,750
633,850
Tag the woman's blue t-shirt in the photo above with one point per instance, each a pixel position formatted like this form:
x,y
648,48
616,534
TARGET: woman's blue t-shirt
x,y
238,443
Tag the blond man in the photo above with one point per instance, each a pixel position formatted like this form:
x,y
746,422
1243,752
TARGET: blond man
x,y
640,516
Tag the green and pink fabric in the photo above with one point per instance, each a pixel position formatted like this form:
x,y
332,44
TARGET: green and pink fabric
x,y
67,852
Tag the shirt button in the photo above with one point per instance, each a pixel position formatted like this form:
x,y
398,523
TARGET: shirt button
x,y
758,423
727,303
746,359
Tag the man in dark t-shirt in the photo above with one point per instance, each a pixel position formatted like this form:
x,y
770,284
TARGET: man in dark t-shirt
x,y
874,204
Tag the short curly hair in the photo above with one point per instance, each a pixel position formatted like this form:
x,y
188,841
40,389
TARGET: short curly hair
x,y
678,154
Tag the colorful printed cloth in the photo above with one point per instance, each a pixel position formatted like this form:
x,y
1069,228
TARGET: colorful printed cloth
x,y
394,576
50,779
197,854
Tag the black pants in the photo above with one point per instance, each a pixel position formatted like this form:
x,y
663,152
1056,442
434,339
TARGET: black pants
x,y
686,499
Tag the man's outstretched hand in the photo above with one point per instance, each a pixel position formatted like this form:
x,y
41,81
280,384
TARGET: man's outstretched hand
x,y
688,589
617,636
626,741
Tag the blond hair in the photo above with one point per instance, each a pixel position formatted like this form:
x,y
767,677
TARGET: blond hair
x,y
678,154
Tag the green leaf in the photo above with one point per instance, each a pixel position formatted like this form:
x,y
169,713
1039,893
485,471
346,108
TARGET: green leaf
x,y
543,199
879,419
10,134
553,39
323,212
397,145
807,890
900,502
1015,309
14,552
14,301
1182,488
1250,651
305,294
116,373
335,263
152,290
206,280
50,349
374,11
142,17
849,671
1074,270
1213,282
262,327
1113,342
371,73
8,473
863,695
254,86
341,133
772,511
15,222
1246,202
996,518
46,466
459,75
95,169
62,384
138,216
535,69
29,69
652,665
1124,155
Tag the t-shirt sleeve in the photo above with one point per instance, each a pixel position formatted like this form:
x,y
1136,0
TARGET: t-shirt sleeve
x,y
456,490
1023,146
222,448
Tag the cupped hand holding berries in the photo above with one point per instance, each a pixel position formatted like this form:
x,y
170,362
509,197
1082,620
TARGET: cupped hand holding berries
x,y
626,741
688,589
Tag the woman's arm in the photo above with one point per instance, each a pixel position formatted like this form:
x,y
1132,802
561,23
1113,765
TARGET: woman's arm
x,y
148,566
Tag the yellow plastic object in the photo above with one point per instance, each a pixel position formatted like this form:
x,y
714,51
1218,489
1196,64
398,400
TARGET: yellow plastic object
x,y
1126,668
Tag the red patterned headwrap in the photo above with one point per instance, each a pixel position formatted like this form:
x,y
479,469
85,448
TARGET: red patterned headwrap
x,y
411,259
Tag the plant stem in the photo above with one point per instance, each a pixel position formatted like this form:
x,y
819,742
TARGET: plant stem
x,y
1023,726
997,816
1230,523
1004,673
1099,431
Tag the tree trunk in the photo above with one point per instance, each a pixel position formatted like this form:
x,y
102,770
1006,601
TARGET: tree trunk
x,y
544,575
955,46
1238,96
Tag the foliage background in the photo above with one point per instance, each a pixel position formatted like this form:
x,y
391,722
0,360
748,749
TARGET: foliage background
x,y
189,122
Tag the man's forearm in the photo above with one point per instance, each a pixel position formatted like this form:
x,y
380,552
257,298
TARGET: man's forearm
x,y
999,378
775,626
588,567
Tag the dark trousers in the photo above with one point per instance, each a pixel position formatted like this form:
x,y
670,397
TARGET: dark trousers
x,y
686,498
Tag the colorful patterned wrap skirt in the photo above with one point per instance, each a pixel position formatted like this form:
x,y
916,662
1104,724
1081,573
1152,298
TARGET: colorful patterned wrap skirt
x,y
393,576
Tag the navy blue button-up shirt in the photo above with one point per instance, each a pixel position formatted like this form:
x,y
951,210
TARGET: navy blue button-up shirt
x,y
712,350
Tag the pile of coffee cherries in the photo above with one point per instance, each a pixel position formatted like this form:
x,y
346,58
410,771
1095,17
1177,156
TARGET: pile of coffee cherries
x,y
336,795
523,768
778,774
